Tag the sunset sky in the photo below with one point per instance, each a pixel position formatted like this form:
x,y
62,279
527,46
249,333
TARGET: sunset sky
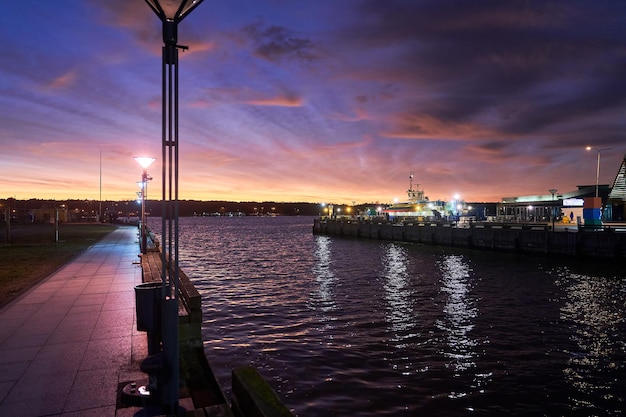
x,y
316,101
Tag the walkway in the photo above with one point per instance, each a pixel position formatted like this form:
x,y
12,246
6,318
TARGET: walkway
x,y
67,343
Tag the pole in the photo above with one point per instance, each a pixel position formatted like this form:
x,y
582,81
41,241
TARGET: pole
x,y
170,213
598,172
100,208
553,191
56,225
170,18
7,218
598,150
553,212
144,229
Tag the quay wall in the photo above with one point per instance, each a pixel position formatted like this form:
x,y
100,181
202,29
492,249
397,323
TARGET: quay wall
x,y
526,238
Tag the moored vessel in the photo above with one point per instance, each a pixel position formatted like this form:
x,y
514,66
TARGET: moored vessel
x,y
418,205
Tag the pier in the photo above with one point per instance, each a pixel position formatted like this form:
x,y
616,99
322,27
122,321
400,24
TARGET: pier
x,y
537,238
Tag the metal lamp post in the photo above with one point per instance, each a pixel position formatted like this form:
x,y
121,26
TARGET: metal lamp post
x,y
170,12
145,162
598,164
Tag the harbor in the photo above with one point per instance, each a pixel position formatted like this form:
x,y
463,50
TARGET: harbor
x,y
525,224
353,326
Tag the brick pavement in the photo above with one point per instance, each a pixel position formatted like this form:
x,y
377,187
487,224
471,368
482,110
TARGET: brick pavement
x,y
67,343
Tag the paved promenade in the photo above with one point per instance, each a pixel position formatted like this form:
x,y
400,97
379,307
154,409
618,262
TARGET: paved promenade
x,y
67,343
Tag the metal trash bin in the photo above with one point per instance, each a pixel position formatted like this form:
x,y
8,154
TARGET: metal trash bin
x,y
148,306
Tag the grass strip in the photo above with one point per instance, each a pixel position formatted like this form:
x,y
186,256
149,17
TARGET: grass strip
x,y
33,254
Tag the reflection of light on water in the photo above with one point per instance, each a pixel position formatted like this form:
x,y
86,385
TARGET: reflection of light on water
x,y
459,314
400,313
323,298
397,291
597,322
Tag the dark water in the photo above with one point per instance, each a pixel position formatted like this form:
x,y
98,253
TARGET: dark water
x,y
346,327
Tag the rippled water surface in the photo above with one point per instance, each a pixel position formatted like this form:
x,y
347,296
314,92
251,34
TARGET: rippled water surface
x,y
347,327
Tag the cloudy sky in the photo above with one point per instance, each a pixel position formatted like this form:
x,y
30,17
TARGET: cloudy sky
x,y
326,100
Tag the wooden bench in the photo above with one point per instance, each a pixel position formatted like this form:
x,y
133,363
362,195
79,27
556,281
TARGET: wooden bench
x,y
189,299
195,372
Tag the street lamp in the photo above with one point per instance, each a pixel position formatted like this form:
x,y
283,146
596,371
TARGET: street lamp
x,y
598,164
145,162
170,12
553,191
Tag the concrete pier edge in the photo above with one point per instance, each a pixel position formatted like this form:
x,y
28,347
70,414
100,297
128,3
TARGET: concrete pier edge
x,y
518,238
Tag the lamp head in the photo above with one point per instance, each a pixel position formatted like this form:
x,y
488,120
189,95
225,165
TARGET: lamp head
x,y
173,10
144,161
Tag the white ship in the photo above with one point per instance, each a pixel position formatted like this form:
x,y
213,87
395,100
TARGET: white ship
x,y
417,206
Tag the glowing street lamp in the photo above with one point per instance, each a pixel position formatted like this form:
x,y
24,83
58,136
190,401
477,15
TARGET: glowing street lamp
x,y
171,13
598,164
145,162
455,204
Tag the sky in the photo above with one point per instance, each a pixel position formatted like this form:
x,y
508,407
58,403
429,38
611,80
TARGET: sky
x,y
315,101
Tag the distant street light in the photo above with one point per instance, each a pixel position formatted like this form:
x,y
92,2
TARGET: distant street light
x,y
553,191
598,164
145,162
171,13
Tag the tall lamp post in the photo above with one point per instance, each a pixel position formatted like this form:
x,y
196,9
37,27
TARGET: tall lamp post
x,y
598,164
145,162
170,12
553,191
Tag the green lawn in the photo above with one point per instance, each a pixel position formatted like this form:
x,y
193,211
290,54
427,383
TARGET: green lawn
x,y
33,253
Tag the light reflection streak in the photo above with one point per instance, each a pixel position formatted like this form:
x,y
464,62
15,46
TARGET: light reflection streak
x,y
323,298
398,293
597,323
458,321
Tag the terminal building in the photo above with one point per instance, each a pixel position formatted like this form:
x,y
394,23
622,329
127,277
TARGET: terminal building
x,y
568,207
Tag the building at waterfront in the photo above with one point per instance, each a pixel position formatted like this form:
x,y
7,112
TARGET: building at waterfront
x,y
568,206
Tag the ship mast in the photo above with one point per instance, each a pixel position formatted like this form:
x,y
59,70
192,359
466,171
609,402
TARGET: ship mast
x,y
411,191
415,194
